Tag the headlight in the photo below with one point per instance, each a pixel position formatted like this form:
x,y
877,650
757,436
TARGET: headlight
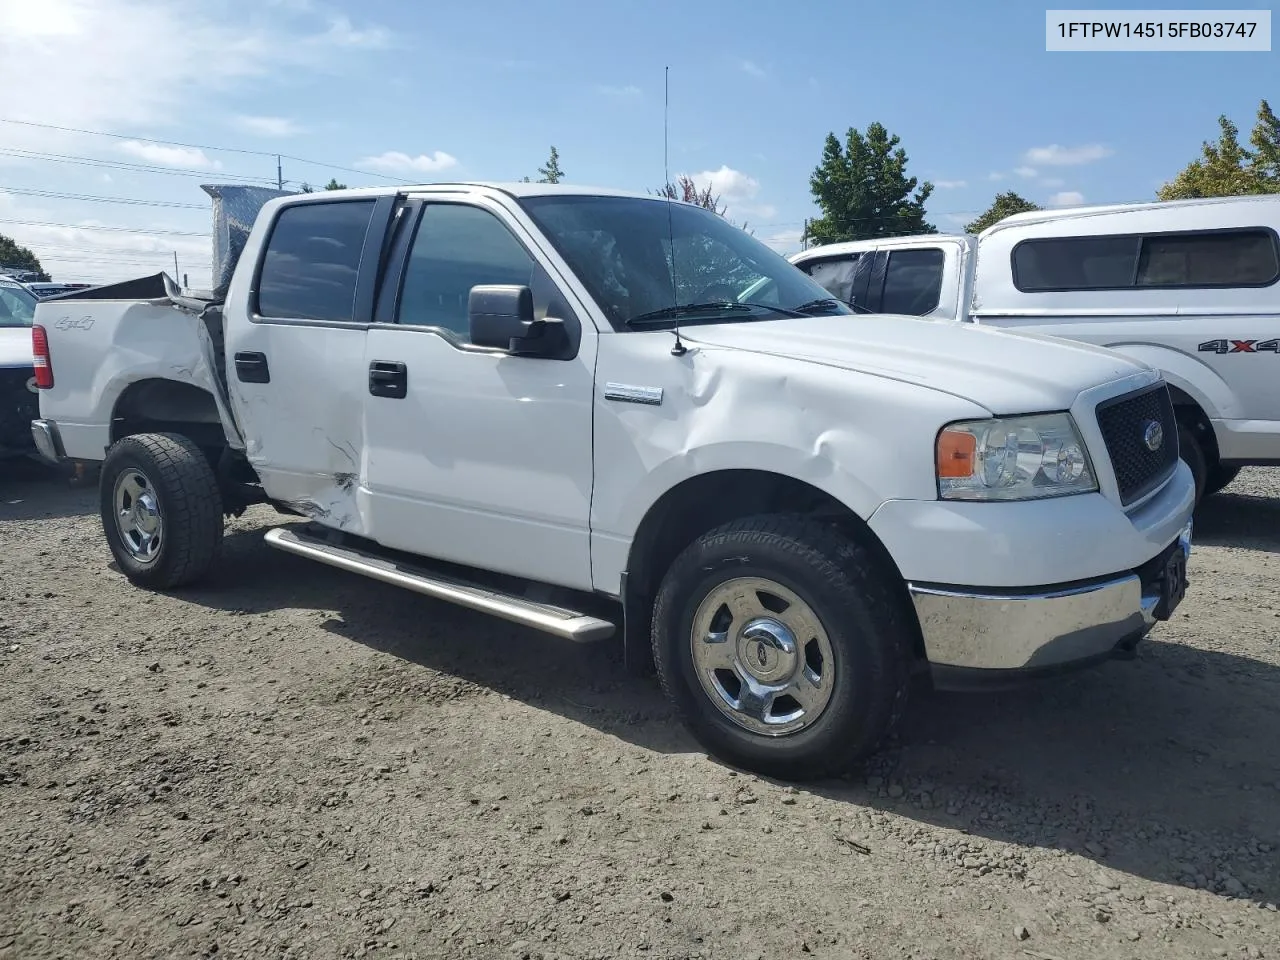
x,y
1014,458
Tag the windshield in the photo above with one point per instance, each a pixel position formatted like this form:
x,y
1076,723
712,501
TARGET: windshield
x,y
639,265
17,306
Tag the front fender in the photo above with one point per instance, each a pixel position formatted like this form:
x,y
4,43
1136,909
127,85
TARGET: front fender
x,y
1189,374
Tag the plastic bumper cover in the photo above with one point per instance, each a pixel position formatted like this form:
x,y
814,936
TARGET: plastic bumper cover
x,y
1041,630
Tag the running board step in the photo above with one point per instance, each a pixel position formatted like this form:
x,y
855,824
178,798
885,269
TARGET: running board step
x,y
567,624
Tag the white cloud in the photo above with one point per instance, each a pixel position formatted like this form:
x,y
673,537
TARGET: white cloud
x,y
268,126
732,185
1067,198
79,253
127,64
393,161
785,241
1056,155
342,33
950,184
995,176
1025,172
166,155
958,219
628,92
751,68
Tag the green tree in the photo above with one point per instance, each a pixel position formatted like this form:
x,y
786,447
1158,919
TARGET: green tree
x,y
333,184
1228,169
1265,141
551,173
863,190
17,257
1004,205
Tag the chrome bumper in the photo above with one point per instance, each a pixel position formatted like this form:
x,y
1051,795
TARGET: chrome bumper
x,y
1016,630
48,442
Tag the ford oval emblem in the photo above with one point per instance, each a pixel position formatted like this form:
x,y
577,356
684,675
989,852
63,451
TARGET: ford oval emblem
x,y
1153,435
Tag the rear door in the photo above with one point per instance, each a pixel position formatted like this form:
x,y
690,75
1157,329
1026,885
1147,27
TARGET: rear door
x,y
295,368
476,456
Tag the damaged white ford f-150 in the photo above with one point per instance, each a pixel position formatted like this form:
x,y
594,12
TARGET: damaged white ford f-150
x,y
556,406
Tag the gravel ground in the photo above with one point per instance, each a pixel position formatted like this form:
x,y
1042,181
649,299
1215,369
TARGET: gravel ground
x,y
295,762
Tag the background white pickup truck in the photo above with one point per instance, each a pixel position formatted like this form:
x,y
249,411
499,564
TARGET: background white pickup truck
x,y
1191,287
478,393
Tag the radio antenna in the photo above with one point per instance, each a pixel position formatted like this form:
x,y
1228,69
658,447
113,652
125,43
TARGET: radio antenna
x,y
678,348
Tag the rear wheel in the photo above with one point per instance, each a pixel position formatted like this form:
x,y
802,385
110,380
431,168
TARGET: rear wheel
x,y
161,509
782,647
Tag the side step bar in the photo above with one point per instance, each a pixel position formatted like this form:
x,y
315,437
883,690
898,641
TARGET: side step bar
x,y
567,624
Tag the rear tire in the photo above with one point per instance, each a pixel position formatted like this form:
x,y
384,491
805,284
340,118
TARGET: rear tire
x,y
794,601
161,510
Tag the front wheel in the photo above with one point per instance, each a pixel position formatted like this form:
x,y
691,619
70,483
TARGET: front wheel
x,y
161,509
782,647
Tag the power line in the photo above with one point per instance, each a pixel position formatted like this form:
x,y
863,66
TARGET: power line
x,y
54,195
86,226
201,146
130,167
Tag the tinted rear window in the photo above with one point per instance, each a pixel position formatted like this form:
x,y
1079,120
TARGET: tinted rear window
x,y
1221,258
312,261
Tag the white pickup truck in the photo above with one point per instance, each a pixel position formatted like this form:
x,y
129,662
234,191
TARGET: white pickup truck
x,y
479,392
1191,287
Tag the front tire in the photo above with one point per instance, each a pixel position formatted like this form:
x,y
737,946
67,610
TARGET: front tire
x,y
1193,454
1219,478
782,647
161,510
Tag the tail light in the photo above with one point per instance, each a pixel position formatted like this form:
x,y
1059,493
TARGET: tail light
x,y
40,353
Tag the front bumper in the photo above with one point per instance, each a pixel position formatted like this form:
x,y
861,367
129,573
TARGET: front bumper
x,y
1028,631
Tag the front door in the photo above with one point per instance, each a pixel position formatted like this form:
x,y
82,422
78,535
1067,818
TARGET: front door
x,y
475,456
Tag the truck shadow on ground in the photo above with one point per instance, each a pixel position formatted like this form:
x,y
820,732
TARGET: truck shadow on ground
x,y
1229,519
1129,764
29,490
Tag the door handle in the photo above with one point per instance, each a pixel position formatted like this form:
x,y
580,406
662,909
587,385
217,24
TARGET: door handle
x,y
251,367
388,378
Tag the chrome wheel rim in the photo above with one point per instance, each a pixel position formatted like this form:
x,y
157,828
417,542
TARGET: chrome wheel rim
x,y
762,656
138,518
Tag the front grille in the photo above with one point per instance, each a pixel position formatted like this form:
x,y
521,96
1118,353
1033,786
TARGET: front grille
x,y
1126,425
18,407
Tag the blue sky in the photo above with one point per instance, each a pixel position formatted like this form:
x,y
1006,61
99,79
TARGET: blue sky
x,y
480,90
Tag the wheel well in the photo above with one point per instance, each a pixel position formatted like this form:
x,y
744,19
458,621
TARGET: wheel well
x,y
1191,415
702,503
167,406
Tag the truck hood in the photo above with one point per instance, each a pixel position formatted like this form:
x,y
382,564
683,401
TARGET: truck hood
x,y
1007,373
15,347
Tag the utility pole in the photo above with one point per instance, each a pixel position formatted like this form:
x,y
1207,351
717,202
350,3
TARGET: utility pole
x,y
279,174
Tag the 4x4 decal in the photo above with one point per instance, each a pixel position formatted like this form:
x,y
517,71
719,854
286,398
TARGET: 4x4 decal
x,y
1240,346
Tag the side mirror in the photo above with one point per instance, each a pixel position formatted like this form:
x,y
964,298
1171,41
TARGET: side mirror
x,y
501,317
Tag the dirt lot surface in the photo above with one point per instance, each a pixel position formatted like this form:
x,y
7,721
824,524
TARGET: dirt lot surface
x,y
294,762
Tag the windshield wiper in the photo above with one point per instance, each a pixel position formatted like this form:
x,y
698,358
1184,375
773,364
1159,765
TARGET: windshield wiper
x,y
679,310
804,308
